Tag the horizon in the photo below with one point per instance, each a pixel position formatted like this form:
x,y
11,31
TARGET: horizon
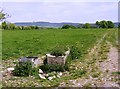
x,y
60,12
64,22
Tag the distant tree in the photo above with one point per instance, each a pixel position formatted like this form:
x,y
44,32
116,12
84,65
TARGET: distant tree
x,y
22,27
119,25
11,26
36,27
103,24
79,26
3,15
32,27
27,28
65,26
18,27
110,24
86,25
4,25
71,26
97,23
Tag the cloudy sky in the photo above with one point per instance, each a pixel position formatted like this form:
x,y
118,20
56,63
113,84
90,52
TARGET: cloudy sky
x,y
61,10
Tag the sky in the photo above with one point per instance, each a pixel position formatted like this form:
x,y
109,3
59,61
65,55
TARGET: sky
x,y
57,11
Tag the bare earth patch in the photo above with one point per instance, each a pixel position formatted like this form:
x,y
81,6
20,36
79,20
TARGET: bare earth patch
x,y
108,67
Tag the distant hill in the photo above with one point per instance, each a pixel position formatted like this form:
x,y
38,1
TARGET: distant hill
x,y
44,24
116,24
49,24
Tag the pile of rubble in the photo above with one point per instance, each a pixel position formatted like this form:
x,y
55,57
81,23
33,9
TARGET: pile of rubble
x,y
42,75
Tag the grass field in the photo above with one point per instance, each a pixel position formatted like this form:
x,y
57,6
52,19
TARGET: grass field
x,y
17,43
39,42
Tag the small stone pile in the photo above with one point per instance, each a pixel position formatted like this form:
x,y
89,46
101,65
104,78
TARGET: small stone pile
x,y
42,75
7,72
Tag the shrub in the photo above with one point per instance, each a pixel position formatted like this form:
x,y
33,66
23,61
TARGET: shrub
x,y
54,67
86,25
66,26
58,51
23,69
74,52
35,72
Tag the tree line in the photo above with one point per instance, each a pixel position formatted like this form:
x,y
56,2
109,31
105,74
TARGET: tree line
x,y
98,24
12,26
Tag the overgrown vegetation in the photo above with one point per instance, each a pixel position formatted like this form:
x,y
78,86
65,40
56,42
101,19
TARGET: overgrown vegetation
x,y
75,52
54,67
58,51
23,69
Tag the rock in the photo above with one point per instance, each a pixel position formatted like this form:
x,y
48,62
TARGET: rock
x,y
79,85
40,71
38,62
67,52
7,72
54,76
10,70
47,75
41,76
54,72
2,71
43,57
50,78
60,74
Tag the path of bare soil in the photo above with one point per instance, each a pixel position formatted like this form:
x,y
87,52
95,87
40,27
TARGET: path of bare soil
x,y
107,67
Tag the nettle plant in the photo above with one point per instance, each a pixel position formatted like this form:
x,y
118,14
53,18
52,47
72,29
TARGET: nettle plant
x,y
54,67
58,51
25,69
75,52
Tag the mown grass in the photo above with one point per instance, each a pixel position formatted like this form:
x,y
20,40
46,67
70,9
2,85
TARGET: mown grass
x,y
17,43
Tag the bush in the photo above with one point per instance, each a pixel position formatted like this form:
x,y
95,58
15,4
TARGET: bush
x,y
66,26
35,72
58,51
23,69
74,52
54,67
86,25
